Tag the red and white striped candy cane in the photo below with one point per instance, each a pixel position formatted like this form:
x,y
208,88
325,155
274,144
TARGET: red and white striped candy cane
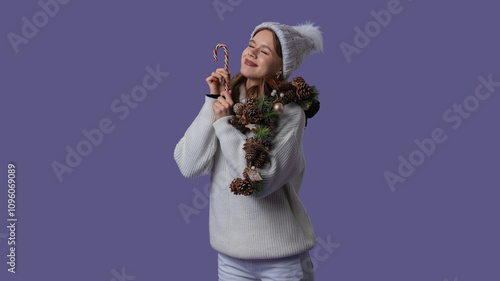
x,y
226,60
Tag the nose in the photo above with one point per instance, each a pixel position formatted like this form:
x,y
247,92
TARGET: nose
x,y
251,52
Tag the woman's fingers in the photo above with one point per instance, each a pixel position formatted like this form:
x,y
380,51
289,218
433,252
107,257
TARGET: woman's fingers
x,y
224,73
214,81
217,107
220,110
218,76
227,97
210,79
222,101
223,106
215,77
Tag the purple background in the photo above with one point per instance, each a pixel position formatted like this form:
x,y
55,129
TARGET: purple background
x,y
120,207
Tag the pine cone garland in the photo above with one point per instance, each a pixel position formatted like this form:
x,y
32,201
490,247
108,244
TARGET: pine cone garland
x,y
246,187
303,91
313,109
298,80
235,186
285,87
251,101
252,174
288,90
253,113
256,151
252,149
261,114
251,152
238,108
242,186
268,143
250,141
236,121
260,160
288,97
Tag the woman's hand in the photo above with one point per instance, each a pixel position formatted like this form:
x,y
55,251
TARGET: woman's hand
x,y
223,106
214,81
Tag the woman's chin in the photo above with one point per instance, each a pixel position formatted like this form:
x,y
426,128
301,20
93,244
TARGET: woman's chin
x,y
244,71
249,74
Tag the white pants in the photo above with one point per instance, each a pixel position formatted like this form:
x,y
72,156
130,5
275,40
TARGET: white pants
x,y
293,268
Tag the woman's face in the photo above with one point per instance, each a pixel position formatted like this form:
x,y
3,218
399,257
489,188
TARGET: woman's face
x,y
260,58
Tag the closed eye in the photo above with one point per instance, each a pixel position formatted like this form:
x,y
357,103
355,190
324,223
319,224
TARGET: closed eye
x,y
265,53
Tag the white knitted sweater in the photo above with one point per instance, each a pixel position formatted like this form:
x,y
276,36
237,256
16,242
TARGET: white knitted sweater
x,y
275,224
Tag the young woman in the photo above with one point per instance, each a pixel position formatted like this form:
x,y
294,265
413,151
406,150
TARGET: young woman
x,y
268,236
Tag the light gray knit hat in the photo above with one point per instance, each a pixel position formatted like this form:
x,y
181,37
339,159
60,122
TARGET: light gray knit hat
x,y
297,42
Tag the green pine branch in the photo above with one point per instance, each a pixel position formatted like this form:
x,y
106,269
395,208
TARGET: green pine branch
x,y
258,186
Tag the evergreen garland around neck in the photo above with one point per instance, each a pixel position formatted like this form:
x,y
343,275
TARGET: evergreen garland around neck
x,y
261,114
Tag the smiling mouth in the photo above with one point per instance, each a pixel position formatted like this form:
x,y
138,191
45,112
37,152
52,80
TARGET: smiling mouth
x,y
250,63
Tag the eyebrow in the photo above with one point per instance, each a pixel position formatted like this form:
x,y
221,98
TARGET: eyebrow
x,y
263,45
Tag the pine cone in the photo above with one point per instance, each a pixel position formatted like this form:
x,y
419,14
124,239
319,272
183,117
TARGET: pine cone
x,y
251,153
236,121
253,114
251,101
252,149
246,187
313,109
288,97
235,186
242,186
285,87
298,80
288,91
303,91
253,141
268,143
238,108
260,160
264,144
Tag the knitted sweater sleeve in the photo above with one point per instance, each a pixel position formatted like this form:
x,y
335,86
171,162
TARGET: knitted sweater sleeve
x,y
286,158
194,153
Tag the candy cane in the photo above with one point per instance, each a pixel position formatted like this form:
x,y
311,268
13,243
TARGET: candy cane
x,y
226,60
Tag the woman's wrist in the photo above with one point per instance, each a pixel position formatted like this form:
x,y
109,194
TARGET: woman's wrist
x,y
217,118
